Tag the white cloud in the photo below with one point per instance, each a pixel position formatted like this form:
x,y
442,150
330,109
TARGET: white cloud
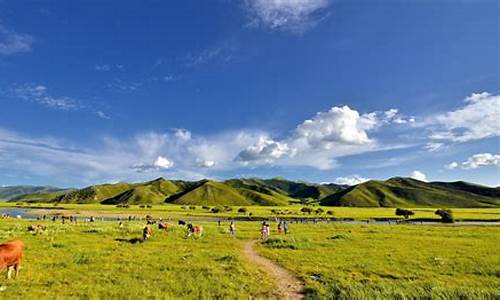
x,y
102,115
433,147
352,180
108,67
452,165
481,160
12,42
182,134
265,149
338,125
206,163
39,94
195,156
418,176
289,15
160,163
477,119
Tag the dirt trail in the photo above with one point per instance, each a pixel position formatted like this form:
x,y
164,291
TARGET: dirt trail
x,y
289,286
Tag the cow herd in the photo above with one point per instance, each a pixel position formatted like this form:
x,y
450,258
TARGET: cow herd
x,y
11,252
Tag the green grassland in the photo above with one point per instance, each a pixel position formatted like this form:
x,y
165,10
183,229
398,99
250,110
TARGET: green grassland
x,y
85,261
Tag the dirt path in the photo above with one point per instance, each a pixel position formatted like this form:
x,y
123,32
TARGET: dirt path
x,y
289,286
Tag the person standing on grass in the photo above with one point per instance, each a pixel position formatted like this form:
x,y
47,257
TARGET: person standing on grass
x,y
263,231
285,227
280,228
232,229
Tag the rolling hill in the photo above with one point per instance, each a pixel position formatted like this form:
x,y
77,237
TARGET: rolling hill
x,y
26,191
407,192
395,192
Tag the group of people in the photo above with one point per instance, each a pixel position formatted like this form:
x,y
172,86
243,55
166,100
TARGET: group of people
x,y
265,230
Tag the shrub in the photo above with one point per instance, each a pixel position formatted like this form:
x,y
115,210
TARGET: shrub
x,y
183,207
330,212
216,210
227,208
446,215
149,206
319,210
406,213
242,210
279,243
306,210
205,207
192,207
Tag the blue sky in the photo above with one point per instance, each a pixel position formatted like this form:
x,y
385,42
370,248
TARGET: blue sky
x,y
317,90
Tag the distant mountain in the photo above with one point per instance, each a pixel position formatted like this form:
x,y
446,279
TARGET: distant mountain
x,y
407,192
395,192
18,191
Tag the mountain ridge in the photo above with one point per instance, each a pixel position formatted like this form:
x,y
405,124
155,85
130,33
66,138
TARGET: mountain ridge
x,y
393,192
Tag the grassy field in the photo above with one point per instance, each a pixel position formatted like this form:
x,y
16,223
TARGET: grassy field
x,y
335,261
292,211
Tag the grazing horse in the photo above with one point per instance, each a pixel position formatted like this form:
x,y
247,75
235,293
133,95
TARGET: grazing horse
x,y
10,256
197,230
165,226
147,232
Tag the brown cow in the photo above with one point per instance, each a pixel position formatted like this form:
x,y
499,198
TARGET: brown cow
x,y
197,230
10,256
165,226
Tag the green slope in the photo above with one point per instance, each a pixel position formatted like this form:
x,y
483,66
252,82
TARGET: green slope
x,y
210,193
18,191
406,192
93,194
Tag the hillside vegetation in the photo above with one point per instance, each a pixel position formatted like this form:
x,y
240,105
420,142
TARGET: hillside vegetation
x,y
407,192
395,192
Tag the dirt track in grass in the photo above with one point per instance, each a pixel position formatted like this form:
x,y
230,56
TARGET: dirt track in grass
x,y
288,285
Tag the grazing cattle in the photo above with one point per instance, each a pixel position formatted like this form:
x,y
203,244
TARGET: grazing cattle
x,y
37,228
147,232
10,256
150,222
181,222
197,230
165,226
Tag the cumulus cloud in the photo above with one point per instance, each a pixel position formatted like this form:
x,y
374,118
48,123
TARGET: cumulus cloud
x,y
338,125
206,163
264,149
160,163
12,42
418,175
316,142
288,15
481,160
352,180
182,134
477,119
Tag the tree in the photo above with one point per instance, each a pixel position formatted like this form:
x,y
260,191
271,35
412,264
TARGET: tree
x,y
306,210
446,215
406,213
